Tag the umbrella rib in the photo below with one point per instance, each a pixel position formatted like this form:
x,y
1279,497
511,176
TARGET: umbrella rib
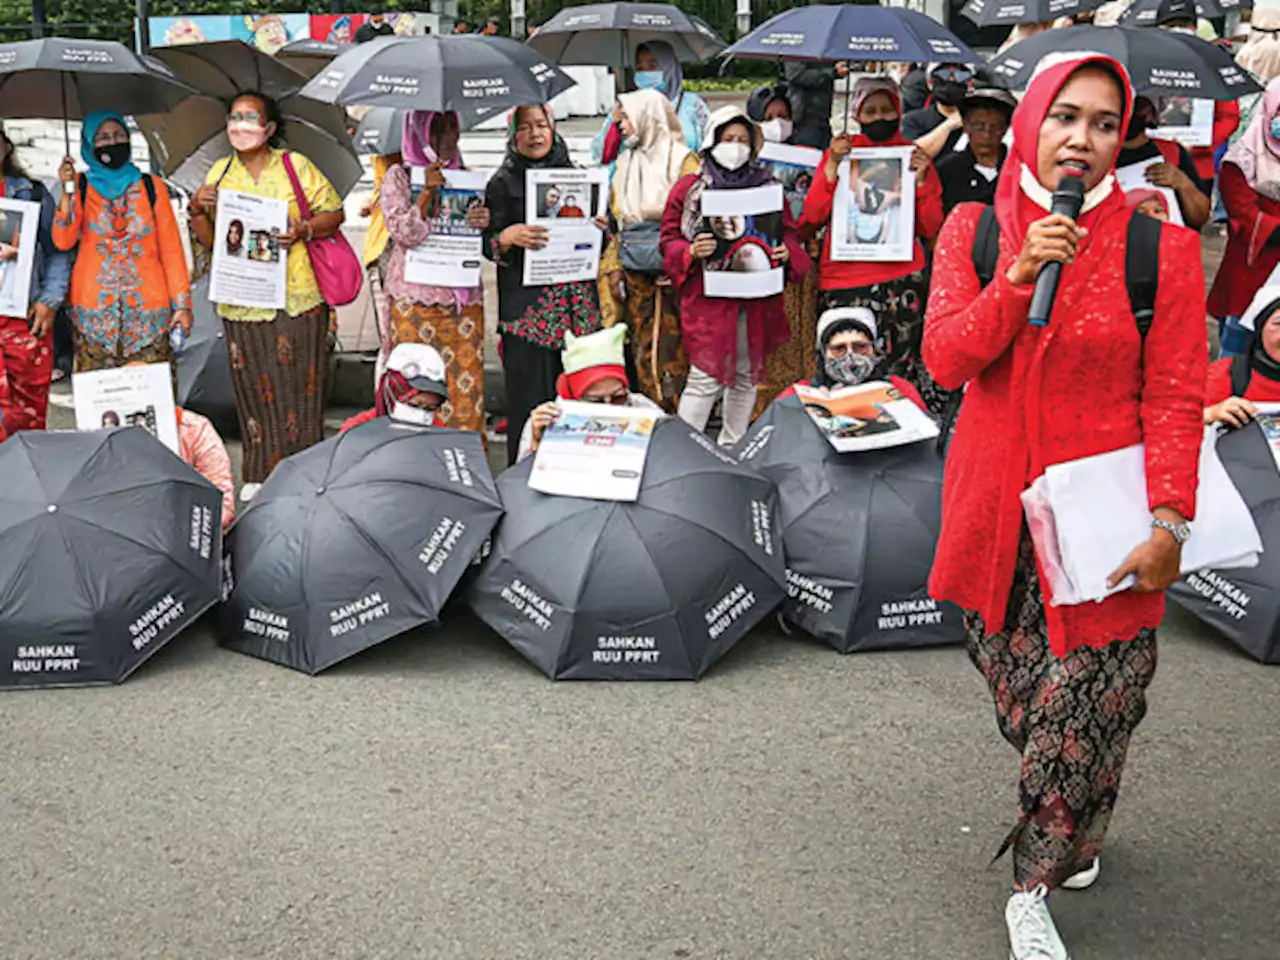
x,y
124,537
377,547
715,533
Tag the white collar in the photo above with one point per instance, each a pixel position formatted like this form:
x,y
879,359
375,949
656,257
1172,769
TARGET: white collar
x,y
1043,197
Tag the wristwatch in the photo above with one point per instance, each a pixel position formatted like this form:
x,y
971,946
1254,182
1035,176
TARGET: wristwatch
x,y
1180,532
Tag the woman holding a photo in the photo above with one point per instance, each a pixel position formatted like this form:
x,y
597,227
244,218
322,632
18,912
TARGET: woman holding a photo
x,y
895,291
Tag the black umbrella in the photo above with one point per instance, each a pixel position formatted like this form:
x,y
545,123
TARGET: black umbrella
x,y
1161,62
61,77
186,142
1244,604
992,13
859,531
309,57
380,132
473,75
608,34
658,589
112,546
356,540
1145,13
204,372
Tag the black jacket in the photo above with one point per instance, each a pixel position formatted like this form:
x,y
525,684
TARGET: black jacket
x,y
812,89
961,181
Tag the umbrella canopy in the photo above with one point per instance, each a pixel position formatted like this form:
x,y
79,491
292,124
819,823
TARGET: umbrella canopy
x,y
658,589
859,532
204,369
993,13
853,33
112,546
1244,604
473,75
380,132
1161,62
356,540
309,57
185,143
607,34
1145,13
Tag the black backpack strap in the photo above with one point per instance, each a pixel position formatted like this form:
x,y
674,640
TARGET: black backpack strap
x,y
986,245
1142,269
1241,373
82,185
149,185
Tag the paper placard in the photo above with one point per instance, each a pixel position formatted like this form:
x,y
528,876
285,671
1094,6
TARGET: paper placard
x,y
565,201
1133,176
594,450
19,227
451,256
873,217
870,416
747,226
136,396
249,266
1186,120
793,167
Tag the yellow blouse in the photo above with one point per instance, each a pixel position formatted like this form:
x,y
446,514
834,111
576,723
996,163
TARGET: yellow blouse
x,y
303,292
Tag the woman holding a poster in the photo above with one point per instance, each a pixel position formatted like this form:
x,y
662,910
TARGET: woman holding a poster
x,y
278,356
450,319
895,290
727,340
532,319
631,265
129,286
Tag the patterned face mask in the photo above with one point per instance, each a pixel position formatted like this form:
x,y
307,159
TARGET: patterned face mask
x,y
851,369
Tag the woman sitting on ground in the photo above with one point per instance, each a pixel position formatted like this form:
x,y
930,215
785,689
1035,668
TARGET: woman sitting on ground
x,y
413,381
203,450
1260,363
594,372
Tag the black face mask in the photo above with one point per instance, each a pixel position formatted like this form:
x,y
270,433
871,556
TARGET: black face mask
x,y
113,156
880,130
948,92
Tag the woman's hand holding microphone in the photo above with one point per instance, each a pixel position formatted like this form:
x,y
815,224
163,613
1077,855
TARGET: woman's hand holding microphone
x,y
1051,239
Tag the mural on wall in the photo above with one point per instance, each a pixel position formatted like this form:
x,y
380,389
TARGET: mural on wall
x,y
271,31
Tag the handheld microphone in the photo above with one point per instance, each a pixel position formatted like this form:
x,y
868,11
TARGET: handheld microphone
x,y
1067,200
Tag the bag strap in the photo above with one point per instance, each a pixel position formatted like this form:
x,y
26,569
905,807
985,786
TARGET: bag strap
x,y
148,186
986,245
304,208
1241,374
1142,269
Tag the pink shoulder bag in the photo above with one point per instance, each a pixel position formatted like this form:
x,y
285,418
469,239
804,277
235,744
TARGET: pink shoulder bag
x,y
336,265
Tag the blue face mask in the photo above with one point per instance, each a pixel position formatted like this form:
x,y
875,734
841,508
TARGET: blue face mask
x,y
649,80
1275,127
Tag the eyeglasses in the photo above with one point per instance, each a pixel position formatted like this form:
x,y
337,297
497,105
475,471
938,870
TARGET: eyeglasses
x,y
246,116
953,74
107,138
862,347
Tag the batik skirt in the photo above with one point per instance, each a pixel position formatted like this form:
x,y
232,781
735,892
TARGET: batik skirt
x,y
459,337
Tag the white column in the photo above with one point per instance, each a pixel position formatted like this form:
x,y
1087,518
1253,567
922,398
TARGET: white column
x,y
744,17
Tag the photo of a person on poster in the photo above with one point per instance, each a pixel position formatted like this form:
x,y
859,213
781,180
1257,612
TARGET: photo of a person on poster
x,y
745,243
235,238
875,207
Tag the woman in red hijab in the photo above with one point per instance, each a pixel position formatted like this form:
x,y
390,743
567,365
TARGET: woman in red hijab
x,y
895,292
1068,682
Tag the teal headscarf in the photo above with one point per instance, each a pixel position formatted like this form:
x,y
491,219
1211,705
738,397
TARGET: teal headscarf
x,y
110,183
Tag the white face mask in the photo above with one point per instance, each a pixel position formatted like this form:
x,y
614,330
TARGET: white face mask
x,y
731,156
777,130
1186,31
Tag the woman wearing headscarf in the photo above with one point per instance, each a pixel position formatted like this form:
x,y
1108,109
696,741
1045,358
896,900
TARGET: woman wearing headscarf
x,y
377,251
656,68
1068,682
451,319
279,358
631,265
727,341
531,320
129,286
1237,384
412,387
895,292
1250,185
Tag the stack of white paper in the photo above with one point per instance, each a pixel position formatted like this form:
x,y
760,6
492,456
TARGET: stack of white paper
x,y
1086,516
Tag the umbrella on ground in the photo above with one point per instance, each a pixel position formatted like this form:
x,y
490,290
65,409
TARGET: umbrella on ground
x,y
356,540
476,76
380,132
993,13
112,546
1244,604
658,589
1144,13
859,532
852,32
1161,62
186,142
204,371
61,77
608,34
309,57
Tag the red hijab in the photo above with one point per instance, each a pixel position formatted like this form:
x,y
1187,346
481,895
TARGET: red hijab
x,y
863,89
1016,210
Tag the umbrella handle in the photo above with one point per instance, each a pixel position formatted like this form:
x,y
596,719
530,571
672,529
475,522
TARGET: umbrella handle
x,y
848,98
66,121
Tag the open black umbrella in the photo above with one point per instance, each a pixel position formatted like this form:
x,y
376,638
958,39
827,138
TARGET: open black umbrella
x,y
1145,13
608,34
380,132
204,371
859,531
309,57
658,589
112,546
1244,604
356,540
473,75
992,13
1160,62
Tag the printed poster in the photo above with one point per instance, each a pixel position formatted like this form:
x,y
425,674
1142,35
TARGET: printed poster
x,y
565,201
138,396
870,416
336,27
1134,177
874,214
793,167
249,266
271,31
176,31
1187,120
19,226
451,256
594,450
1269,422
747,226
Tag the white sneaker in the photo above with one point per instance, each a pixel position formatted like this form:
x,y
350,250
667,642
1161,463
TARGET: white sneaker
x,y
1032,935
249,491
1085,878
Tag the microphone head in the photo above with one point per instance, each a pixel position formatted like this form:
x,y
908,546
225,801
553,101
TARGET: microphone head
x,y
1070,186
